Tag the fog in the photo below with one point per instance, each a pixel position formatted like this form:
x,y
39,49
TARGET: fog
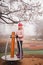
x,y
30,14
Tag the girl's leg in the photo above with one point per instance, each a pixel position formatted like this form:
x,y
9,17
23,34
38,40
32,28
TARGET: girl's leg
x,y
21,49
18,49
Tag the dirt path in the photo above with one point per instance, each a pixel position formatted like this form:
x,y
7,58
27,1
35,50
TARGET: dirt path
x,y
29,60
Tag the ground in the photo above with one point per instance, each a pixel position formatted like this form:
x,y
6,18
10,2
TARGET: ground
x,y
27,60
33,47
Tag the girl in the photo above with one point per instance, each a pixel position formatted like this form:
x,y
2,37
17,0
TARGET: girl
x,y
19,37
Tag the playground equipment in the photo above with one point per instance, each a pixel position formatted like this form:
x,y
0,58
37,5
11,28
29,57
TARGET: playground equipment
x,y
12,56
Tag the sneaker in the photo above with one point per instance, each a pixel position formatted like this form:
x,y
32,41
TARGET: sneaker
x,y
18,55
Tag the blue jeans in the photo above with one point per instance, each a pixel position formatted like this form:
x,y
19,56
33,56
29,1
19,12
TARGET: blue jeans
x,y
20,49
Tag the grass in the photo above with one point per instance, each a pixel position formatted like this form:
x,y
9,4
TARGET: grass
x,y
34,52
27,51
1,54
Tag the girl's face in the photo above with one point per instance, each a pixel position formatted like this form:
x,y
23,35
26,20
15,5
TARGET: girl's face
x,y
20,27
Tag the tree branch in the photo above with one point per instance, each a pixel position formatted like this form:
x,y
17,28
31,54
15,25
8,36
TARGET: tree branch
x,y
11,20
4,20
